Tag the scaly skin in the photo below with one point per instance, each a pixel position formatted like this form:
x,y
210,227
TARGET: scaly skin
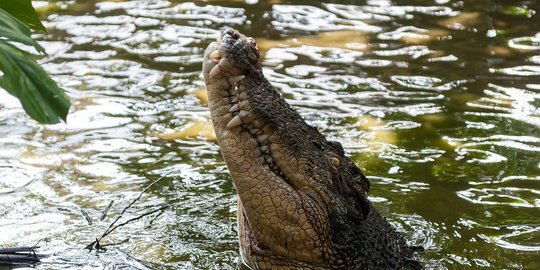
x,y
302,203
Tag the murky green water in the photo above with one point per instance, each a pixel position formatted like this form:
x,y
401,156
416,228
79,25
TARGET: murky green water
x,y
437,101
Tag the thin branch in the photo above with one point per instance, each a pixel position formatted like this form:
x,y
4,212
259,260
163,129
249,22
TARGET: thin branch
x,y
112,226
135,219
131,204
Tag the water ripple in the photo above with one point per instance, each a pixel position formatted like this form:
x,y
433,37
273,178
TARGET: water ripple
x,y
405,32
514,180
123,77
519,239
166,41
406,156
355,12
15,175
127,5
525,70
479,156
170,40
92,28
190,11
413,51
526,43
424,82
535,59
309,18
511,196
405,11
512,102
319,54
525,143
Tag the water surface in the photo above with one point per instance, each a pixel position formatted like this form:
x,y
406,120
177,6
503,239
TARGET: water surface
x,y
438,102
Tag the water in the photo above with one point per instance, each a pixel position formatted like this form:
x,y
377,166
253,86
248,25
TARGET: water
x,y
437,101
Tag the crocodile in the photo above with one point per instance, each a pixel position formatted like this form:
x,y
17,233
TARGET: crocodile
x,y
303,204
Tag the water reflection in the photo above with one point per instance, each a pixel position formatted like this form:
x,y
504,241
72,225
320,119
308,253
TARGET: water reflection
x,y
438,103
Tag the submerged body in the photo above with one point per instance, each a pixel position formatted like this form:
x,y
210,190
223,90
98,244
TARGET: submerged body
x,y
302,203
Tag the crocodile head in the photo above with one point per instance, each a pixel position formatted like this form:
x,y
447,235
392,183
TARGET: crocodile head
x,y
302,202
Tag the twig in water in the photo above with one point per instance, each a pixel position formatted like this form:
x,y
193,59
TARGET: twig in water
x,y
106,211
96,243
86,216
135,219
18,256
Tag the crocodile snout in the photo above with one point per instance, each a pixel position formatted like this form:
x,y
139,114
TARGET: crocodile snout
x,y
231,33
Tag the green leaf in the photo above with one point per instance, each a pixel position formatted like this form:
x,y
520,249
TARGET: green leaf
x,y
23,10
40,96
14,30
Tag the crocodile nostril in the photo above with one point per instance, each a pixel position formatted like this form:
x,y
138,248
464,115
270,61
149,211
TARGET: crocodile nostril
x,y
231,33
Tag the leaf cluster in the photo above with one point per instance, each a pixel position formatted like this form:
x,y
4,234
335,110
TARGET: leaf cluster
x,y
20,74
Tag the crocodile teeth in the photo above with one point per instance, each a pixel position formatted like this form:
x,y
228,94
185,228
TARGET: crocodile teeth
x,y
215,71
234,108
236,121
225,64
264,148
270,160
254,131
233,90
262,138
215,55
235,79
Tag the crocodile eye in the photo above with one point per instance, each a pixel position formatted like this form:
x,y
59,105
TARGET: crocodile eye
x,y
336,162
253,44
254,50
